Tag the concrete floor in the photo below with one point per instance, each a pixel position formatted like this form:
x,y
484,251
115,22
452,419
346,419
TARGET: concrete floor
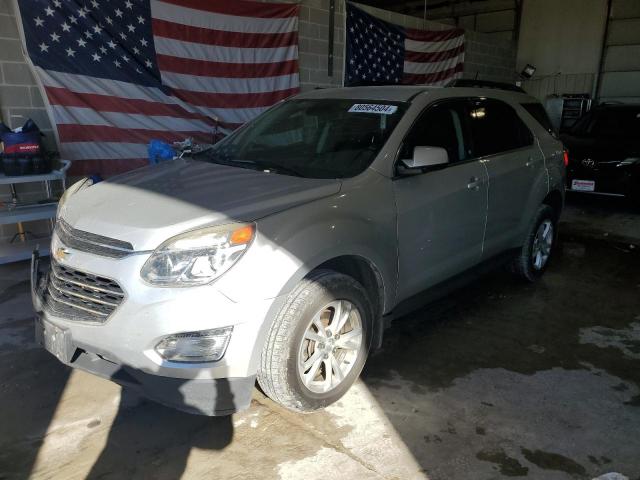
x,y
498,380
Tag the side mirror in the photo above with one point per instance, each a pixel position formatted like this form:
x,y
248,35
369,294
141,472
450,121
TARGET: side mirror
x,y
427,157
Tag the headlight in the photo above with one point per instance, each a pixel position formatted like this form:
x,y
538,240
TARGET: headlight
x,y
202,346
72,190
197,257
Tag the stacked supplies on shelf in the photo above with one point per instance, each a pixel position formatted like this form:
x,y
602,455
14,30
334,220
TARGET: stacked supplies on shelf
x,y
23,152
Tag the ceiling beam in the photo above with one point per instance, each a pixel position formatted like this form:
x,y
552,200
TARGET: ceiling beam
x,y
417,7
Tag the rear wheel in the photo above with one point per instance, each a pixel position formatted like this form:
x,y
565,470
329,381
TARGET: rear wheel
x,y
634,193
537,250
318,343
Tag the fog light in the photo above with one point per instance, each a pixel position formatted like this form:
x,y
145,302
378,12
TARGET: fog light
x,y
202,346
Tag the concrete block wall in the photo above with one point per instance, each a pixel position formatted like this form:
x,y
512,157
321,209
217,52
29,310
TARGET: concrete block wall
x,y
313,44
20,99
489,57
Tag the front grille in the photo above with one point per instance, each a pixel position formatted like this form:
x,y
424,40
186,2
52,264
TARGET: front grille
x,y
92,243
81,296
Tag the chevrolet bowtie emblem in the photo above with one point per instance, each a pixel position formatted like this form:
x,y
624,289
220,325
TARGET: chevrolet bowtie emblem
x,y
61,253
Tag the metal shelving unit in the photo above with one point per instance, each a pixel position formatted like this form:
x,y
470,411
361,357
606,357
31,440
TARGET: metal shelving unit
x,y
573,107
565,110
21,248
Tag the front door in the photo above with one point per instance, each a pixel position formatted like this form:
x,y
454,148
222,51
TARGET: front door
x,y
441,212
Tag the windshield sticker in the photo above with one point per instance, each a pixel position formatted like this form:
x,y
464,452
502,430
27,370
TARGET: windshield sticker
x,y
373,108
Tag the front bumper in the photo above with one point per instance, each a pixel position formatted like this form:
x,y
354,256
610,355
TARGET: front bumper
x,y
122,348
222,396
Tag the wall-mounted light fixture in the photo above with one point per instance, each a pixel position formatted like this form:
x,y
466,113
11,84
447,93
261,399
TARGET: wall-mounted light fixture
x,y
528,71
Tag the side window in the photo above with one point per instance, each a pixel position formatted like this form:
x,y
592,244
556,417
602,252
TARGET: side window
x,y
537,111
438,126
496,128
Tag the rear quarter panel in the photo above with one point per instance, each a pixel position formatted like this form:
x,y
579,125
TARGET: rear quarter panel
x,y
551,178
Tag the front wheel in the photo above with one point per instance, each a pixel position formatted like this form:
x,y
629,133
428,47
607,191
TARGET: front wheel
x,y
534,256
318,343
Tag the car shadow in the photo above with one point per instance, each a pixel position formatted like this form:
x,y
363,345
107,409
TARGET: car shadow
x,y
145,439
149,440
31,380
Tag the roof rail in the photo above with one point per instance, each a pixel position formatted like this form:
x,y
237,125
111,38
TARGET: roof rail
x,y
471,83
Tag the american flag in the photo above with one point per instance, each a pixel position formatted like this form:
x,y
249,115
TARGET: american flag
x,y
119,73
381,52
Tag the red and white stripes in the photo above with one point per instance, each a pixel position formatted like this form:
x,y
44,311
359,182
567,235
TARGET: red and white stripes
x,y
221,64
223,56
433,57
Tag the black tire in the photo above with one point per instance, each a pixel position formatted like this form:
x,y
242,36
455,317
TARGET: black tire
x,y
634,194
523,264
278,372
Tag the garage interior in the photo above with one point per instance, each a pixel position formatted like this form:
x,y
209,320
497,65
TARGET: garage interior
x,y
499,379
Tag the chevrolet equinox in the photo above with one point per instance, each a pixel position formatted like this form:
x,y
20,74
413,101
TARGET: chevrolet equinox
x,y
280,253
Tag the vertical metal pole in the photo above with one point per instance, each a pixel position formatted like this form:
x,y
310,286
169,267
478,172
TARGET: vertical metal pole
x,y
332,22
14,194
22,235
344,41
603,52
518,21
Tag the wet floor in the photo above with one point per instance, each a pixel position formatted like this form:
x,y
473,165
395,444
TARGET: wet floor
x,y
499,380
540,380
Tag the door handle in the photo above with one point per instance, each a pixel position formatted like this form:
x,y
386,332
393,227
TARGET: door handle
x,y
529,162
474,183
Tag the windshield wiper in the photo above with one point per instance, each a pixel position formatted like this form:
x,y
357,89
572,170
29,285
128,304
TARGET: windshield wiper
x,y
252,164
263,165
230,162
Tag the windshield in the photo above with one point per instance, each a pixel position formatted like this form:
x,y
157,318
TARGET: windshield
x,y
613,122
315,138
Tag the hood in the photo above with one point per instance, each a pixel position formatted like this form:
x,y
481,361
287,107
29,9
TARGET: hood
x,y
147,206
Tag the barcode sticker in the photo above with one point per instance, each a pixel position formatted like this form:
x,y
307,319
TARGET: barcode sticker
x,y
373,108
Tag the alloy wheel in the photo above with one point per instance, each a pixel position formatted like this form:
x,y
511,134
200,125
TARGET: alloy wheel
x,y
542,243
330,346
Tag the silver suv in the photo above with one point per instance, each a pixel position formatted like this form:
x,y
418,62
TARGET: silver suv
x,y
282,251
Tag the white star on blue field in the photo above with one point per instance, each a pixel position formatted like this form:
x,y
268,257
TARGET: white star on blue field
x,y
101,38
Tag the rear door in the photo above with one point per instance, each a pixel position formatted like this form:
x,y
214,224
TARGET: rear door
x,y
506,147
442,211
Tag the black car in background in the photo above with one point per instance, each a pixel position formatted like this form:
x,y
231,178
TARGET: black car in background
x,y
604,151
